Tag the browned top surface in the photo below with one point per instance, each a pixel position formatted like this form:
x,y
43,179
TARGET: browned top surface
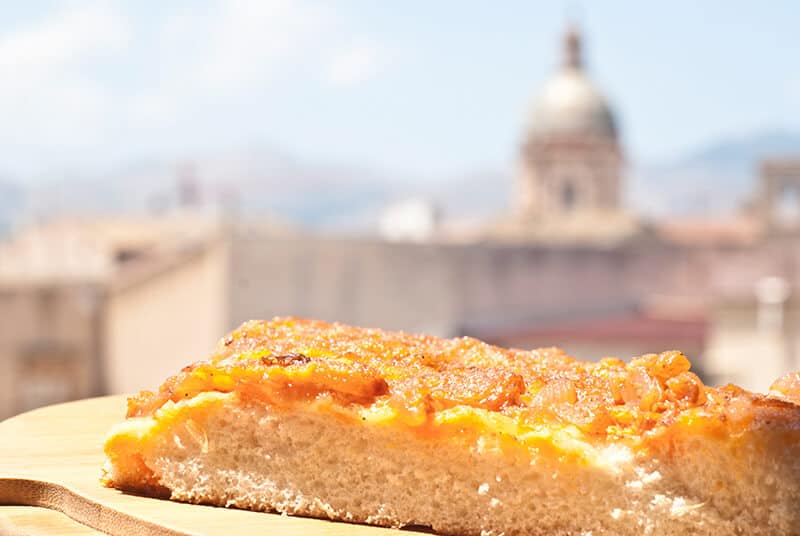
x,y
287,360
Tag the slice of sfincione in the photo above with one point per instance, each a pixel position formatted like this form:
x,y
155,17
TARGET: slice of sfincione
x,y
362,425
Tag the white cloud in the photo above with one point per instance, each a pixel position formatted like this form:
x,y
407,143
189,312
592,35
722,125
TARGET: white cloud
x,y
254,37
62,40
91,79
355,65
46,96
234,49
241,43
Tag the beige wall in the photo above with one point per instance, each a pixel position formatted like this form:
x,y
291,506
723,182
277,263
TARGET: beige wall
x,y
160,324
361,282
430,288
741,353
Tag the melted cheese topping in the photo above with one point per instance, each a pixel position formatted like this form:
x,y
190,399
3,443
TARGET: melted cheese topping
x,y
437,386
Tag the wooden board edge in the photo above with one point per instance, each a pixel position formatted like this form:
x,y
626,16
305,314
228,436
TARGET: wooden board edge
x,y
29,492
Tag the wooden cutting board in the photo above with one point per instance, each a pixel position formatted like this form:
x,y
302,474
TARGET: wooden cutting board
x,y
51,458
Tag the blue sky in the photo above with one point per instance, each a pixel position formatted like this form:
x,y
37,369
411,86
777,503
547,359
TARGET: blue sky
x,y
417,89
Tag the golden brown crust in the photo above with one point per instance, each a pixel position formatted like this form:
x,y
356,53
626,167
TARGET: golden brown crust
x,y
287,360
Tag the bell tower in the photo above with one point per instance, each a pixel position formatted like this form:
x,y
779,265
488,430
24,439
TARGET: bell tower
x,y
570,156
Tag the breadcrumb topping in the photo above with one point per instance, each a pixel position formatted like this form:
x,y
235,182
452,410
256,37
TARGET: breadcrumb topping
x,y
414,378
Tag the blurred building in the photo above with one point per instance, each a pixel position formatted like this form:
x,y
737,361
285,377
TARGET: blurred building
x,y
55,280
90,306
413,220
571,165
778,197
50,350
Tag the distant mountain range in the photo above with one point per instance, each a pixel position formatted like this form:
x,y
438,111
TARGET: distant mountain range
x,y
713,180
710,181
11,202
252,181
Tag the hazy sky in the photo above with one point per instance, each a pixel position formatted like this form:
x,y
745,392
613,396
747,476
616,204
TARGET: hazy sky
x,y
424,89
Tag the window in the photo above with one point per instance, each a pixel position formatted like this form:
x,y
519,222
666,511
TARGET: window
x,y
787,208
123,255
568,196
47,303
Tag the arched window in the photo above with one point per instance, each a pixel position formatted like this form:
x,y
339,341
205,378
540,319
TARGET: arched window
x,y
569,196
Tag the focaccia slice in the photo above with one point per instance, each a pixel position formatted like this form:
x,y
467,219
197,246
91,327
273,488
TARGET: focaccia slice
x,y
309,418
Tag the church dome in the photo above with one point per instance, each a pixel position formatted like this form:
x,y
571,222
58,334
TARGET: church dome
x,y
569,103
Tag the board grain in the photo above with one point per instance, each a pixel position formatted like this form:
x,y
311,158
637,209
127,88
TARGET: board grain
x,y
51,458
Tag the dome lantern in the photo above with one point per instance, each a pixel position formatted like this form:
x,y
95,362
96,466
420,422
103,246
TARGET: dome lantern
x,y
572,48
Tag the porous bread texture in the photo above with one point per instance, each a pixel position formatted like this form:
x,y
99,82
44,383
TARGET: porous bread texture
x,y
301,462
